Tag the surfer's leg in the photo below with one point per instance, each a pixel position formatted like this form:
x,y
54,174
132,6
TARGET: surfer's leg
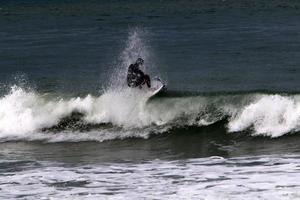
x,y
147,80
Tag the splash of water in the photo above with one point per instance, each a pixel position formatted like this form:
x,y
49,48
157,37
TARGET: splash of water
x,y
135,47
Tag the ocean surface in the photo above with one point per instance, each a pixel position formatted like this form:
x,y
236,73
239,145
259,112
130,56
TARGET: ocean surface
x,y
226,127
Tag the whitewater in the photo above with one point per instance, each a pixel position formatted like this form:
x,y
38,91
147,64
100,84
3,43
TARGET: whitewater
x,y
234,178
27,115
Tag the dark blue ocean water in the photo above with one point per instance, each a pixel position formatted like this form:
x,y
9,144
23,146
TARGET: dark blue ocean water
x,y
227,126
195,45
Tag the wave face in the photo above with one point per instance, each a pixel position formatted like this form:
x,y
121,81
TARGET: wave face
x,y
120,112
128,113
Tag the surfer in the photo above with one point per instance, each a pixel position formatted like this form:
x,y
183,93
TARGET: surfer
x,y
135,76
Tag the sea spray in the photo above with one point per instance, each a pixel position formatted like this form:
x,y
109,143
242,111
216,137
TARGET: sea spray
x,y
135,47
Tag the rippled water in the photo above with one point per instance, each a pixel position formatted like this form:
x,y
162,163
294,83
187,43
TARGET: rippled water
x,y
227,127
260,177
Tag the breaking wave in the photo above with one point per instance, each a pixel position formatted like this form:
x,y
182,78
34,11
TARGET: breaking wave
x,y
128,113
120,112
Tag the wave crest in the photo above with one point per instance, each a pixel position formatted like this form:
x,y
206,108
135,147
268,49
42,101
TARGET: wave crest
x,y
128,113
271,115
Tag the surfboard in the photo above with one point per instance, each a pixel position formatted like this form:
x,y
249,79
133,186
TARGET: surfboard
x,y
157,85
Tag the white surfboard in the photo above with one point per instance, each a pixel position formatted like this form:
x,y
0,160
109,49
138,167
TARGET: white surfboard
x,y
157,86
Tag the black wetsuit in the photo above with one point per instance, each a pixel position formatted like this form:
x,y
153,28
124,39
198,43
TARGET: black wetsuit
x,y
136,77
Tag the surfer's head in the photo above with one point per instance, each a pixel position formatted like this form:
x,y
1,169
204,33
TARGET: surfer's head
x,y
139,61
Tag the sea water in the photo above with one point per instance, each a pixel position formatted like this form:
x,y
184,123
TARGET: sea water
x,y
227,127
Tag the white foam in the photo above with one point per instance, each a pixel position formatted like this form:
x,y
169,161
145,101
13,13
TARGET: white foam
x,y
23,114
201,178
271,115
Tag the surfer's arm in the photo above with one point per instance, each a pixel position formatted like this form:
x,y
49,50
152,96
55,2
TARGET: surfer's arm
x,y
131,68
140,72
